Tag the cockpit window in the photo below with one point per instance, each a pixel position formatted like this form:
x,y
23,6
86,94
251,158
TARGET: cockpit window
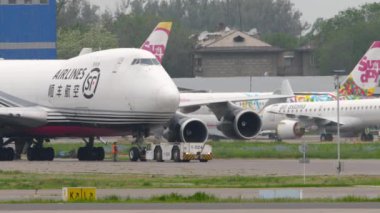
x,y
135,61
155,62
145,61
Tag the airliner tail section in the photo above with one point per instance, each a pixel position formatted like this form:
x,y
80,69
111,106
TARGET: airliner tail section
x,y
364,78
158,39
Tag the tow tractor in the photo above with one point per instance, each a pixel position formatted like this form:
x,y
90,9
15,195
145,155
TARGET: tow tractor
x,y
177,151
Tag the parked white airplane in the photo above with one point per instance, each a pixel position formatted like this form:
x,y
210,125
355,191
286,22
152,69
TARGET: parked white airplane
x,y
361,82
106,93
291,119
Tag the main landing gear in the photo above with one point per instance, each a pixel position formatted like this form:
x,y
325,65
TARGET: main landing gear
x,y
6,153
36,152
89,152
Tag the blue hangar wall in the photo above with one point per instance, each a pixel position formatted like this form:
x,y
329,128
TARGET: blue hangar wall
x,y
28,29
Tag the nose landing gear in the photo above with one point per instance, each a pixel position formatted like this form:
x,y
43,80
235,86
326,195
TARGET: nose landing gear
x,y
138,151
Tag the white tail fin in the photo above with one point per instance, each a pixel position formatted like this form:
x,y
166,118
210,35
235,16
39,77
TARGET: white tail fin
x,y
158,39
364,78
286,90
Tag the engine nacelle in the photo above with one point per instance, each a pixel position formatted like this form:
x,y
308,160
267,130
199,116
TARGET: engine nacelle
x,y
240,124
289,129
185,129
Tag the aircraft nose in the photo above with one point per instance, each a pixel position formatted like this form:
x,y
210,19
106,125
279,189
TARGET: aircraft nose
x,y
167,98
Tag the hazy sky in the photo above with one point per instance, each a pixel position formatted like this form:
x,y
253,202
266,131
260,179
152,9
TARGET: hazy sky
x,y
311,9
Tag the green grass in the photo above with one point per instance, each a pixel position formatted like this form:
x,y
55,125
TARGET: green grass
x,y
253,150
327,150
201,197
19,180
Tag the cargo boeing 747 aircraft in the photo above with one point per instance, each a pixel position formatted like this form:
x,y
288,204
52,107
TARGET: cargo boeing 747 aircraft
x,y
112,92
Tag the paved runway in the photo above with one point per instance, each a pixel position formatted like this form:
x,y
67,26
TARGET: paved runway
x,y
242,167
196,207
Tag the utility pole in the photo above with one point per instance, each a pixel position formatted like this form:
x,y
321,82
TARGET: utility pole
x,y
337,85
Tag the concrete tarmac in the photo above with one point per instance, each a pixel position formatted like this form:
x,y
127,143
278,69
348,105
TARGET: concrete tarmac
x,y
196,207
216,167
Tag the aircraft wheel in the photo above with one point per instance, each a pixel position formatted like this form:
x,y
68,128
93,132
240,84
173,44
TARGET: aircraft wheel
x,y
6,154
203,161
158,154
100,153
92,154
31,154
10,154
82,154
176,154
134,154
3,154
48,153
142,155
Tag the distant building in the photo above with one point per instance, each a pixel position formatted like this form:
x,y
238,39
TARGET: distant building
x,y
234,53
28,29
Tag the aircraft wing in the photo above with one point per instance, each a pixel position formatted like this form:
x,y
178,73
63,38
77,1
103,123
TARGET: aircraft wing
x,y
219,102
198,99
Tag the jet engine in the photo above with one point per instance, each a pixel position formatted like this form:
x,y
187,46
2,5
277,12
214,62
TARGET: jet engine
x,y
289,129
238,123
184,129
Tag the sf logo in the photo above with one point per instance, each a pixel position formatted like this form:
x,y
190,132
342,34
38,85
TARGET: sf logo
x,y
91,83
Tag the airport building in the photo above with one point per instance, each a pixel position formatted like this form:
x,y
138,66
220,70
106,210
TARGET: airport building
x,y
234,53
28,29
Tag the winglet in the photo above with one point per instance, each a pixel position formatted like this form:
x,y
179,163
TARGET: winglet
x,y
364,78
286,90
157,41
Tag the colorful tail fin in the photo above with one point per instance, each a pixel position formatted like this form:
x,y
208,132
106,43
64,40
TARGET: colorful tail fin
x,y
364,78
158,39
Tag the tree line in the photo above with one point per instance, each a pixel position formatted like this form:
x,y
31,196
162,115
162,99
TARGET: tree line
x,y
339,41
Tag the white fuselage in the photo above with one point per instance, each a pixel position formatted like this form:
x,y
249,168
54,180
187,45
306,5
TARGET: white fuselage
x,y
98,90
355,115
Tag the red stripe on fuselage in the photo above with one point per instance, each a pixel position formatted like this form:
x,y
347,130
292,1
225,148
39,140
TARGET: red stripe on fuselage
x,y
72,131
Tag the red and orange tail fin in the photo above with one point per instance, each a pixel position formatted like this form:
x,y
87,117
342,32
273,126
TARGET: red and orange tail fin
x,y
158,39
